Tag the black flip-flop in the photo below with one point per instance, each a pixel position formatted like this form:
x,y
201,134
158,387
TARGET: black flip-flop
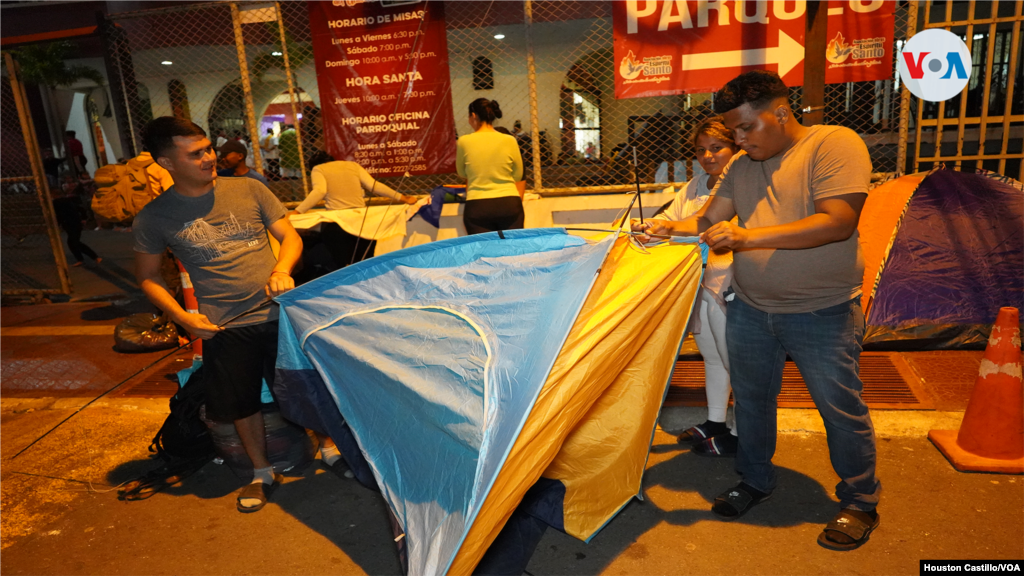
x,y
721,446
696,434
732,504
854,528
257,491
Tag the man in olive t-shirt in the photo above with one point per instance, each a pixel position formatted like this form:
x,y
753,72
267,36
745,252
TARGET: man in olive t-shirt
x,y
797,193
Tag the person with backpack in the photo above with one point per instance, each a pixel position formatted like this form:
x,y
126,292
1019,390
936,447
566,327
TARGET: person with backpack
x,y
51,168
74,151
218,229
122,190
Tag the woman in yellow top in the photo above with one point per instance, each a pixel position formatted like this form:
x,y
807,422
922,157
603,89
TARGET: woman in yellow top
x,y
492,166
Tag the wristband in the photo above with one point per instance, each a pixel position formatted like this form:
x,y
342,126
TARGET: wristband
x,y
279,272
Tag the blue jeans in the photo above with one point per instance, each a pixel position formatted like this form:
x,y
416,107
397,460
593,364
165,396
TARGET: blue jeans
x,y
825,345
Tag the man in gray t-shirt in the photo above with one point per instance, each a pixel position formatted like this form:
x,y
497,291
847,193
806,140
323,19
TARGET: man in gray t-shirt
x,y
797,193
218,230
221,239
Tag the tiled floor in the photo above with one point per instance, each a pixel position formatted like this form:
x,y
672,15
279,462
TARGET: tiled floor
x,y
64,365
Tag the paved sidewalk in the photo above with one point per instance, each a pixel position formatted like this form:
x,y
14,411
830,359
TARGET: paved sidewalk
x,y
112,279
61,515
67,349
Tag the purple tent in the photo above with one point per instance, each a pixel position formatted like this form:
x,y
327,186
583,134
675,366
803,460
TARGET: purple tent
x,y
957,256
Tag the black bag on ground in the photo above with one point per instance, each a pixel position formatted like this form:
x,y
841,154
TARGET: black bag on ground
x,y
183,443
184,434
145,332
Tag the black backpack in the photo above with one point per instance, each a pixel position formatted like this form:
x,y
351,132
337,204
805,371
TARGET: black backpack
x,y
184,435
184,443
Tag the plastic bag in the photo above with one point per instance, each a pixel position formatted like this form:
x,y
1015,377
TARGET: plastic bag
x,y
145,332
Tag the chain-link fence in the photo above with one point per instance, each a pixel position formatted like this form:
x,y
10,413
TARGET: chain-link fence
x,y
184,62
33,258
246,70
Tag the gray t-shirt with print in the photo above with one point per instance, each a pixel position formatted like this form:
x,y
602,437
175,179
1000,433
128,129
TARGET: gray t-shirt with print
x,y
221,239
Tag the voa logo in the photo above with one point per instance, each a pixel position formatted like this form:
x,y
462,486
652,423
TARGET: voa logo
x,y
935,65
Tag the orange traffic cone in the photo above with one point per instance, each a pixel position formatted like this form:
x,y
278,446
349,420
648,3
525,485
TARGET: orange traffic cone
x,y
191,303
991,437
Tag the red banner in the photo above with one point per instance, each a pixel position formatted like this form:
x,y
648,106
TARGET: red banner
x,y
384,85
668,47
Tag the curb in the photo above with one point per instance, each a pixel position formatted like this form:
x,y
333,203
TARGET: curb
x,y
888,423
25,405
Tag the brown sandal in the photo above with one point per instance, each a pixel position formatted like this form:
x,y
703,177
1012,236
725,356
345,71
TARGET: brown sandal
x,y
257,491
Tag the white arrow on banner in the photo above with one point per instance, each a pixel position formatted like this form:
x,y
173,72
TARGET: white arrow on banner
x,y
787,55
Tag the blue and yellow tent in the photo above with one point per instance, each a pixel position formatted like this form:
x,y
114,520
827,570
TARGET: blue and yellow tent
x,y
467,369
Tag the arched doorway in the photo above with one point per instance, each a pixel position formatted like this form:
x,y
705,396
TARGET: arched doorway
x,y
279,110
227,113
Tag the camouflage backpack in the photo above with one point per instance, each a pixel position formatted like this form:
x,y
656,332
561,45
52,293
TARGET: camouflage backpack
x,y
122,190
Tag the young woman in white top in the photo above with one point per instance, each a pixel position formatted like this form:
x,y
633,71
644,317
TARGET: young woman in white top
x,y
715,147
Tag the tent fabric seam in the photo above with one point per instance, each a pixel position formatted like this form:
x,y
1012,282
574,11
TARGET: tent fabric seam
x,y
464,317
470,519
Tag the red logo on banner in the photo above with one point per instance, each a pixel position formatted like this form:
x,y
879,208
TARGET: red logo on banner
x,y
382,69
667,47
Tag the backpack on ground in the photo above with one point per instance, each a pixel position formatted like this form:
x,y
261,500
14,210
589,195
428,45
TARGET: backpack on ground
x,y
184,443
184,435
122,189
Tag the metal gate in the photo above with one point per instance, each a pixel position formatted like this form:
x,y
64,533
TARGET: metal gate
x,y
33,259
983,126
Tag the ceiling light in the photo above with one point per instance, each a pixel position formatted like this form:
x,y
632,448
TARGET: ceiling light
x,y
499,36
167,62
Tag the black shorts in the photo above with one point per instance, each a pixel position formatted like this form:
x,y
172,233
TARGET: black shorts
x,y
493,214
235,362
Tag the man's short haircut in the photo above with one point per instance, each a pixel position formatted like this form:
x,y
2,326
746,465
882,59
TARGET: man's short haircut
x,y
70,133
160,133
757,88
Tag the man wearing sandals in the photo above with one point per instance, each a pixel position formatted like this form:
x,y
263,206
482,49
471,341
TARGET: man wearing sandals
x,y
798,270
218,230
